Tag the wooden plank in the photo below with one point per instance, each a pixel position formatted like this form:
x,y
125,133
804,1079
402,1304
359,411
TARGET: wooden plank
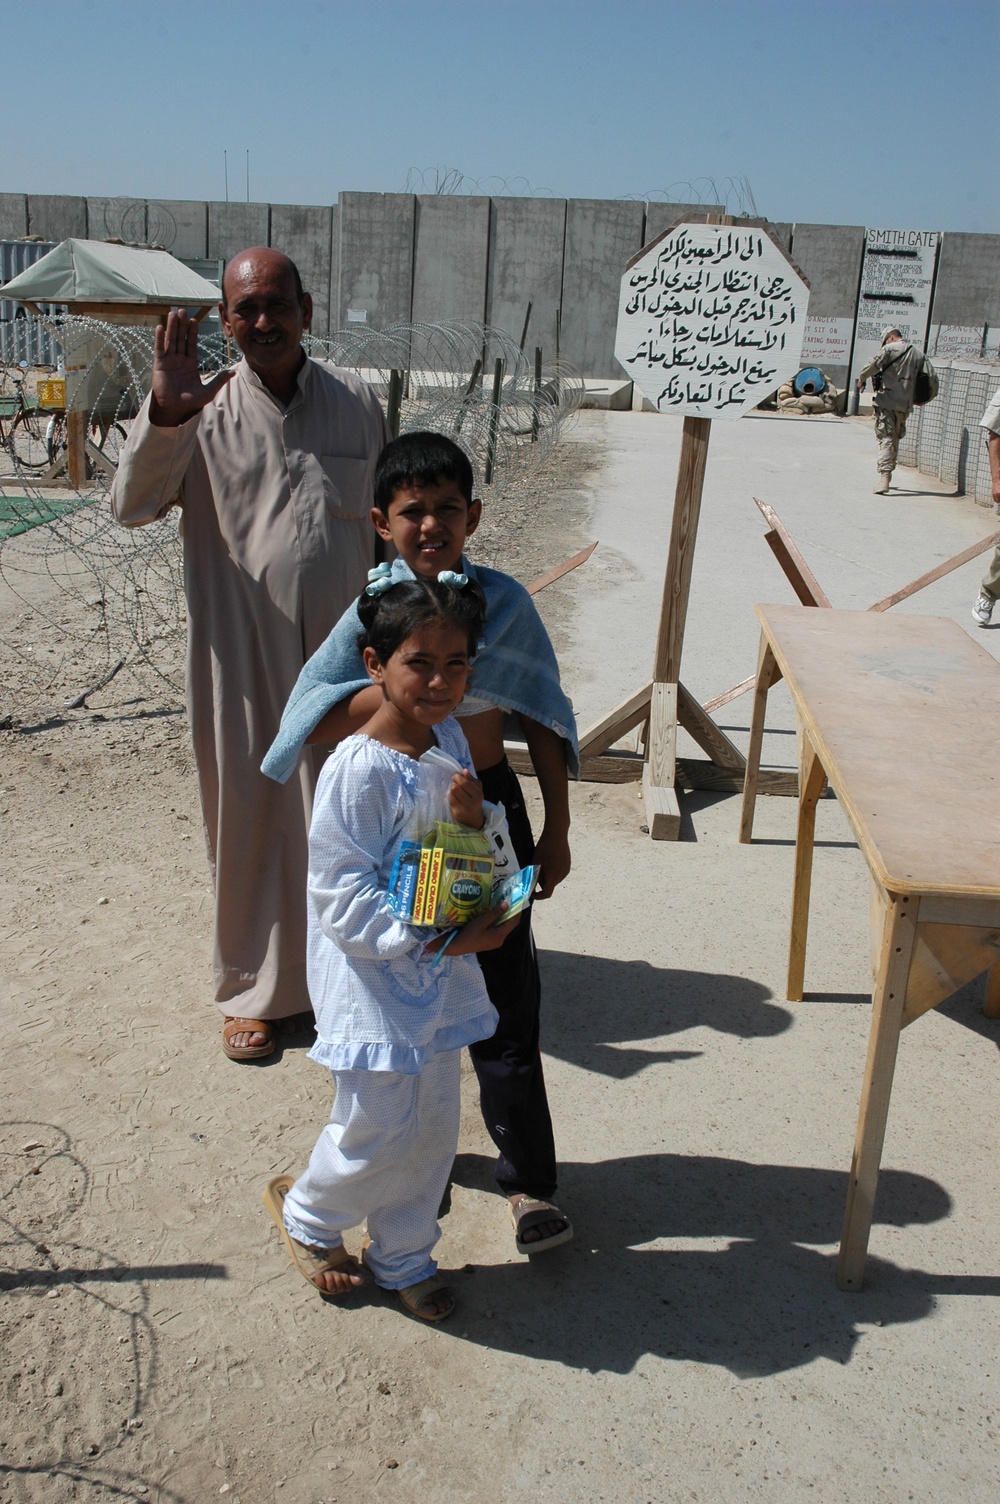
x,y
694,773
937,573
803,581
680,557
605,732
811,777
767,673
550,577
898,939
615,767
939,908
663,812
702,729
662,750
730,694
945,957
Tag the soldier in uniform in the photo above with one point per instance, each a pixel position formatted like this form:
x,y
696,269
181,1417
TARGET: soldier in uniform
x,y
893,374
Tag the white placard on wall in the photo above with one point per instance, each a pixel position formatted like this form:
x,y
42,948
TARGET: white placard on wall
x,y
897,276
827,342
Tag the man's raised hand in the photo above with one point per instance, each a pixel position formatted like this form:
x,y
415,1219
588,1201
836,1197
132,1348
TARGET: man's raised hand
x,y
177,388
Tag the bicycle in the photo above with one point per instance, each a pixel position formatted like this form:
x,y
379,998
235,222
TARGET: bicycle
x,y
22,432
105,440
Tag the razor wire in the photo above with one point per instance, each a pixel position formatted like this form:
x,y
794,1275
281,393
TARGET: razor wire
x,y
84,599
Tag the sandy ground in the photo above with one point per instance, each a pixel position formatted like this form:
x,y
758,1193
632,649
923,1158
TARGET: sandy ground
x,y
691,1343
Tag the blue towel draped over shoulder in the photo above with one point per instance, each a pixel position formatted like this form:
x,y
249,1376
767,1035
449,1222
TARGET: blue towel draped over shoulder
x,y
514,668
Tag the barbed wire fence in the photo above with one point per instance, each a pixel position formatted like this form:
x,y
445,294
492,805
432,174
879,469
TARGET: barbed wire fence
x,y
83,600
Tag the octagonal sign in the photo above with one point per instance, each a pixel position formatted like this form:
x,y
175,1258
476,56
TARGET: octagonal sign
x,y
710,320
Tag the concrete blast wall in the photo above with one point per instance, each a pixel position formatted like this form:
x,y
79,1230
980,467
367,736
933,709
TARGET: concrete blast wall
x,y
387,258
968,281
234,227
305,234
375,247
13,216
601,236
829,257
451,241
526,266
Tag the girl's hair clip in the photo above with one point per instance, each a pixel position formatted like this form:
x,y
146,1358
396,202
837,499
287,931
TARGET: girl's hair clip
x,y
449,577
380,580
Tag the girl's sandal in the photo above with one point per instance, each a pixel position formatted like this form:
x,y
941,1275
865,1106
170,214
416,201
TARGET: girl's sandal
x,y
311,1262
413,1297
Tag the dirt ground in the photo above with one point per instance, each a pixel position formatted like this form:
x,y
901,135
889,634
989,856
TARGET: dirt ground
x,y
690,1344
155,1341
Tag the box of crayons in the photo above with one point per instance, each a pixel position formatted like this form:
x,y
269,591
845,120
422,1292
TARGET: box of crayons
x,y
444,879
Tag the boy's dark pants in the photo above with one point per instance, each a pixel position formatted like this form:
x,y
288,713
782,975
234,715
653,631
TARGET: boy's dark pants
x,y
509,1065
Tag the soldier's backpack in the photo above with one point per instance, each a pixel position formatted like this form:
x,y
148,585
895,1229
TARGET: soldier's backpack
x,y
926,386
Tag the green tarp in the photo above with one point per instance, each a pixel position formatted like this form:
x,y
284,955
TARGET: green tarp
x,y
91,271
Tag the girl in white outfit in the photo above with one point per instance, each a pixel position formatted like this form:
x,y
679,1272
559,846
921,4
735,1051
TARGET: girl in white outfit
x,y
392,1012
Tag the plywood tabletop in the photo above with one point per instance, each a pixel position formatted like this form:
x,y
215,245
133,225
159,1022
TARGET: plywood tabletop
x,y
904,712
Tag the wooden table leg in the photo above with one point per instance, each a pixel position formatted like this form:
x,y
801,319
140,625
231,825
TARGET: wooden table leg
x,y
898,938
768,673
811,780
991,1007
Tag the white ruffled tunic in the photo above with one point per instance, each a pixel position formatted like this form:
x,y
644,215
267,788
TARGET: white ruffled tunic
x,y
379,1005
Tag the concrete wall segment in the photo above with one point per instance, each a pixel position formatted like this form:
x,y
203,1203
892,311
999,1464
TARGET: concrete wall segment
x,y
376,258
967,290
179,224
451,251
236,227
57,216
13,215
660,217
304,232
526,266
601,236
829,257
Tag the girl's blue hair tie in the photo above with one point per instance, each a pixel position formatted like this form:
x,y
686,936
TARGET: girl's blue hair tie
x,y
449,577
380,580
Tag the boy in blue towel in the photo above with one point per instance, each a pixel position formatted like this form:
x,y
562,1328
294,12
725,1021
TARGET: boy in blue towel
x,y
424,508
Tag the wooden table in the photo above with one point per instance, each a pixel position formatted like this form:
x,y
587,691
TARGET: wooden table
x,y
901,714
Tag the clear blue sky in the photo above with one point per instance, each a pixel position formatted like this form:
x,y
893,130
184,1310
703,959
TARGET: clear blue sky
x,y
861,113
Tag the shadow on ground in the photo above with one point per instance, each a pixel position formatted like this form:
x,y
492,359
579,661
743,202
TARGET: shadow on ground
x,y
759,1305
594,1005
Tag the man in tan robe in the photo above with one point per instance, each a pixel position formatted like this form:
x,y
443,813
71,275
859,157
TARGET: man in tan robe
x,y
271,465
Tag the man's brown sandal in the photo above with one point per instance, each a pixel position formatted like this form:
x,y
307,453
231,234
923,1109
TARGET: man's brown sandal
x,y
530,1213
311,1262
233,1026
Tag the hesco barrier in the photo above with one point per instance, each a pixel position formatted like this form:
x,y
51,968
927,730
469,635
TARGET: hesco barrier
x,y
944,438
23,336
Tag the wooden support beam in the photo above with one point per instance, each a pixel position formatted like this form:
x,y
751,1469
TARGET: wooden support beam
x,y
663,813
702,729
937,573
680,559
605,732
551,575
801,578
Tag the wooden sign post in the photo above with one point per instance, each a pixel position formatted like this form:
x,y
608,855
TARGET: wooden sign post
x,y
710,322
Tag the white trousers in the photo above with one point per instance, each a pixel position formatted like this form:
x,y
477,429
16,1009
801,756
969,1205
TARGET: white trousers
x,y
384,1156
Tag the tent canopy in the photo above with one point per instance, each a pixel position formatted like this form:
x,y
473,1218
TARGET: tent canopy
x,y
92,271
